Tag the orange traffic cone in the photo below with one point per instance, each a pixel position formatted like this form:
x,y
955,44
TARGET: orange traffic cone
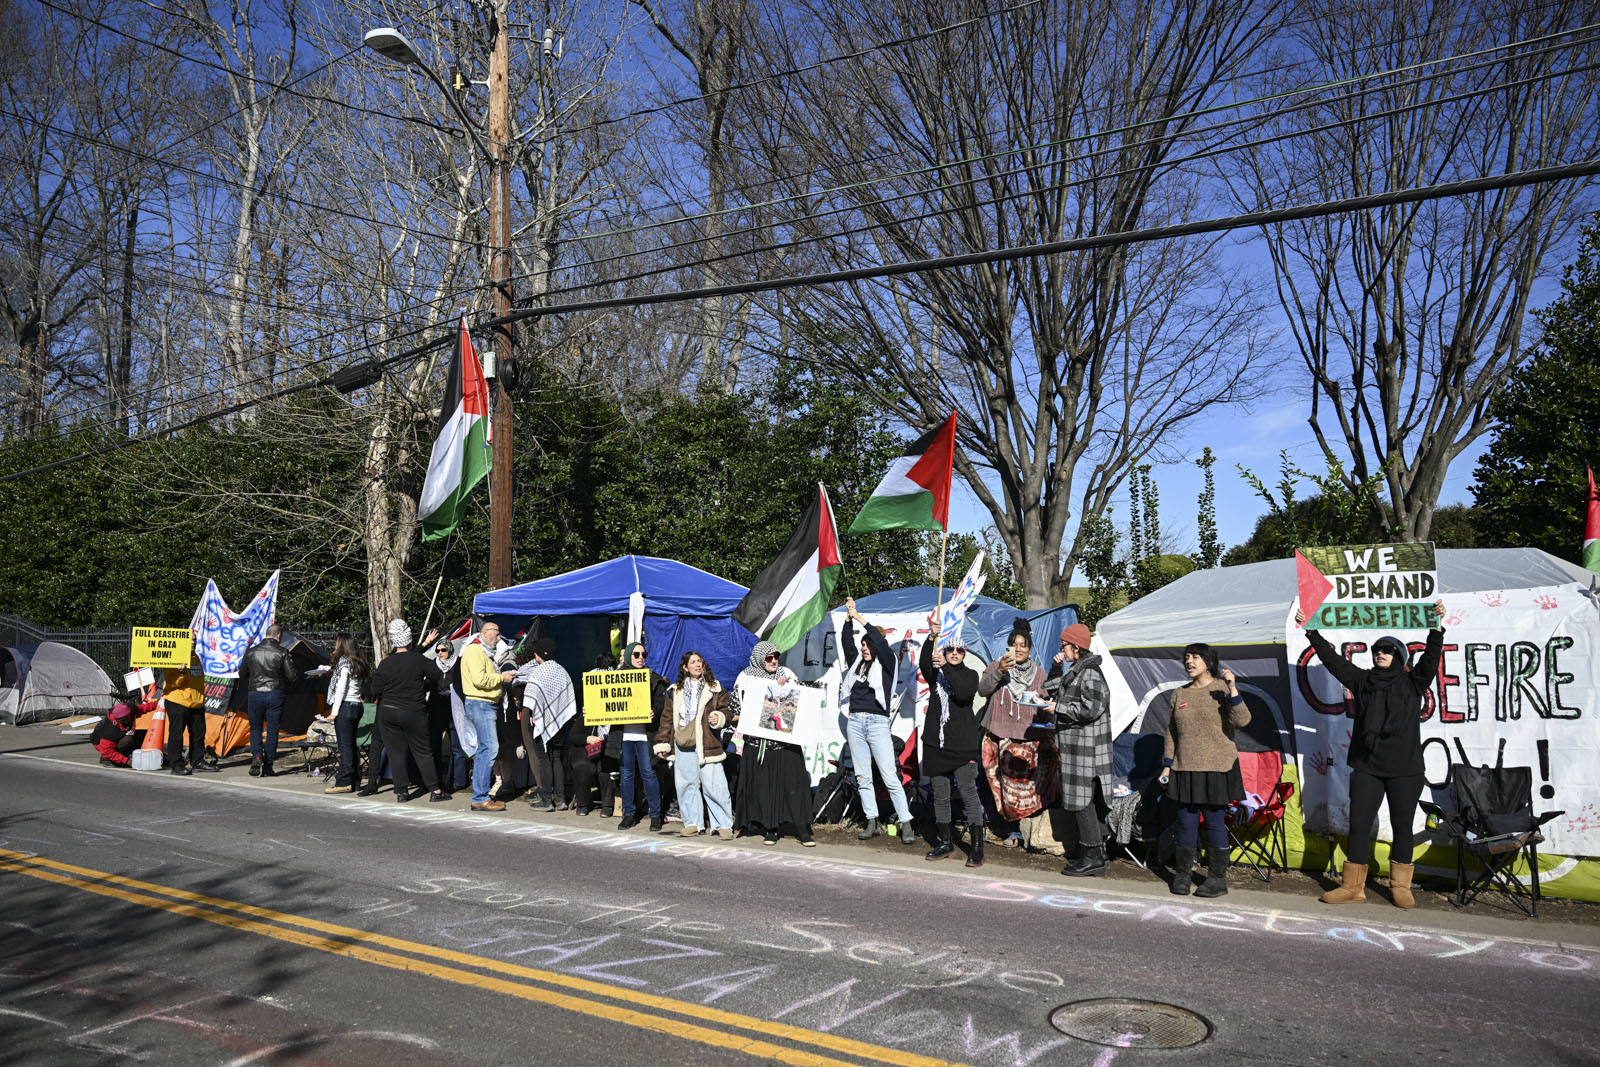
x,y
151,753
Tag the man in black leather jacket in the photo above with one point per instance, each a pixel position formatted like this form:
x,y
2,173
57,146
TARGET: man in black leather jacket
x,y
270,672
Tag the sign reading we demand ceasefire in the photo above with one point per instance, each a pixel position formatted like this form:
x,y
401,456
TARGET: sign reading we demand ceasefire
x,y
1385,587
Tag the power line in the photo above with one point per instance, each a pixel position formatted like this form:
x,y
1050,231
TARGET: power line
x,y
1248,220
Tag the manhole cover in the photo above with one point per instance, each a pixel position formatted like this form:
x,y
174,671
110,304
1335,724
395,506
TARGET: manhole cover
x,y
1123,1023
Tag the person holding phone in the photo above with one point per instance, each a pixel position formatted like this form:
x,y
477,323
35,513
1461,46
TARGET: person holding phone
x,y
1385,751
1201,767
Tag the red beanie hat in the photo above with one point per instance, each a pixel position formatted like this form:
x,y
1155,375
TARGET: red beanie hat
x,y
1076,634
121,711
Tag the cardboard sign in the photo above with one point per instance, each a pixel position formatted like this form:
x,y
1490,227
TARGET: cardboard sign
x,y
157,647
1368,587
612,698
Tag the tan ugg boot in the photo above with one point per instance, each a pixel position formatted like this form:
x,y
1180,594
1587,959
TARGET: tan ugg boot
x,y
1354,888
1400,885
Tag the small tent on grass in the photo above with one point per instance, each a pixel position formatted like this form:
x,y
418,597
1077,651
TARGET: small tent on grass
x,y
1521,665
677,608
51,681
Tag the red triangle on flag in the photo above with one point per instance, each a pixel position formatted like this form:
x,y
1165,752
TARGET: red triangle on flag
x,y
934,469
1314,588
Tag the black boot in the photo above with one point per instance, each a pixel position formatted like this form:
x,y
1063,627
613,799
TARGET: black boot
x,y
1091,863
975,856
944,846
868,831
1216,883
1182,871
266,769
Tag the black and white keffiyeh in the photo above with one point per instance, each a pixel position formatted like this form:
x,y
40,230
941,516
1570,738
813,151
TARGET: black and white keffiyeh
x,y
548,694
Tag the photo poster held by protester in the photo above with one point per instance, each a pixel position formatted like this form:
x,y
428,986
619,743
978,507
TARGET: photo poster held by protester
x,y
615,698
788,713
1520,666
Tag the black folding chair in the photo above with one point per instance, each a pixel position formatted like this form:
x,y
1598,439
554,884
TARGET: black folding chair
x,y
1492,818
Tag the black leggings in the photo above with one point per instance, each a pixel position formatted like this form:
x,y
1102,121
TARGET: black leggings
x,y
1366,791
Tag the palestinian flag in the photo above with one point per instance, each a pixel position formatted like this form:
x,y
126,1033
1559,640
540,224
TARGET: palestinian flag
x,y
791,594
915,494
461,447
1591,527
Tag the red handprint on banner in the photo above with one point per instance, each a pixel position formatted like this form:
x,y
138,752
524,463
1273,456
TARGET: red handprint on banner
x,y
1319,762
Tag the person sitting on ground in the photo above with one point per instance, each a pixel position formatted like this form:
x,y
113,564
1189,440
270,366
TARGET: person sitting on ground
x,y
401,686
952,743
1082,712
114,737
697,708
1201,766
867,695
774,784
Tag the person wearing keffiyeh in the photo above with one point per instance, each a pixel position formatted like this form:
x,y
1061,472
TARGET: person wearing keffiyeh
x,y
952,743
689,736
774,784
548,703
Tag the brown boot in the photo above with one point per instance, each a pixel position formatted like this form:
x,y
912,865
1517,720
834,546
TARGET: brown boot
x,y
1400,885
1354,889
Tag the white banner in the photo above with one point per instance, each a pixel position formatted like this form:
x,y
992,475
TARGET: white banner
x,y
1520,665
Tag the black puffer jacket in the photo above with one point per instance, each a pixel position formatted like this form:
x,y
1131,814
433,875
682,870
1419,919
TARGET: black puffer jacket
x,y
269,667
1386,738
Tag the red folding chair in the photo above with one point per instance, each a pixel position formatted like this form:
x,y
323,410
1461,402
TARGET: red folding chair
x,y
1256,826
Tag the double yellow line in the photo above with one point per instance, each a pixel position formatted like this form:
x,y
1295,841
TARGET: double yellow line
x,y
710,1026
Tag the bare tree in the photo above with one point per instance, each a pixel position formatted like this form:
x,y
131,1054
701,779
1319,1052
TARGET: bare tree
x,y
1408,318
1049,122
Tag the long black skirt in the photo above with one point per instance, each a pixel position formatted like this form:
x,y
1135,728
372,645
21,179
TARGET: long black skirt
x,y
774,786
1207,789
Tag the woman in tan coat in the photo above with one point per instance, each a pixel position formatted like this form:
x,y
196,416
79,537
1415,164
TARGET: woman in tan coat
x,y
696,709
1201,767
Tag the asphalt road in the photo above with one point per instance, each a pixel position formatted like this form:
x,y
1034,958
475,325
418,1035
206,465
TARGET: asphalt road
x,y
220,919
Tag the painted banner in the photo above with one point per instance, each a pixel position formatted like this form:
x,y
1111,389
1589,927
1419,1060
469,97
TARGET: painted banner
x,y
791,713
223,636
160,647
1520,666
612,698
1380,587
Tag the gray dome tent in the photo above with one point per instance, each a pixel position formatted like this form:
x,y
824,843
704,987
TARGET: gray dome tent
x,y
51,681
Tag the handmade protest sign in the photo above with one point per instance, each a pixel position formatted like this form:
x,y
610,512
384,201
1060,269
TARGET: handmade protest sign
x,y
789,713
611,698
160,647
1383,587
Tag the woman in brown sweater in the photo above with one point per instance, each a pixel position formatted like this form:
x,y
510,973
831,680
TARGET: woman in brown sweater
x,y
1201,768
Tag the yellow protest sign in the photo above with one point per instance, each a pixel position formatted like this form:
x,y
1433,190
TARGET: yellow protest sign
x,y
155,646
611,698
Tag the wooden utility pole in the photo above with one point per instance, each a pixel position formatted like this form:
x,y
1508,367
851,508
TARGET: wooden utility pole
x,y
500,493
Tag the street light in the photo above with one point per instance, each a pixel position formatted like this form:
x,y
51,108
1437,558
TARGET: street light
x,y
393,46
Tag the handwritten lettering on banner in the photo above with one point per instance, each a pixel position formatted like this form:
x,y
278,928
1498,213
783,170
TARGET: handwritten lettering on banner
x,y
160,647
1385,587
1519,665
611,698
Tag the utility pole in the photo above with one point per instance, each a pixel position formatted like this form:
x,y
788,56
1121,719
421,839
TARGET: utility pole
x,y
500,492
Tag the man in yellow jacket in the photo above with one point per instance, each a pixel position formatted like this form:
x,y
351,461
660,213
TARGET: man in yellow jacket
x,y
183,697
481,688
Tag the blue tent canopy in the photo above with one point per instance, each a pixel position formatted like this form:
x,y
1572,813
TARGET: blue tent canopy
x,y
685,609
988,622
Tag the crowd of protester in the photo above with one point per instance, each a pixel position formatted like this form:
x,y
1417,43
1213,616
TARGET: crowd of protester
x,y
1010,738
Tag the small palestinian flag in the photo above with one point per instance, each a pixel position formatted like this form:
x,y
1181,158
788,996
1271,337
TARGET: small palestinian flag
x,y
460,458
1591,528
792,593
915,494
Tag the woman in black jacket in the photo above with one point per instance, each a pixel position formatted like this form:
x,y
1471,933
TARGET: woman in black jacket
x,y
952,745
1385,751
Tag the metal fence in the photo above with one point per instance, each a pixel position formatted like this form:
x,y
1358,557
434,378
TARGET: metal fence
x,y
111,649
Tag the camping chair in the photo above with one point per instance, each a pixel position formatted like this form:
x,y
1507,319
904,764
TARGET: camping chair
x,y
1134,816
1256,824
1493,819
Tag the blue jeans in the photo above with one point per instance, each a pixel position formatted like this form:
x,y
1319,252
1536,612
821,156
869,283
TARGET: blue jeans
x,y
265,709
691,779
485,720
636,764
871,741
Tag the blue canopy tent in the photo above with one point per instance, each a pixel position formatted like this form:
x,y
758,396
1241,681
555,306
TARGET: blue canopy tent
x,y
684,609
989,621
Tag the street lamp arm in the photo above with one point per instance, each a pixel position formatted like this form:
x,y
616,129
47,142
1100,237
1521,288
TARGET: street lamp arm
x,y
461,113
392,45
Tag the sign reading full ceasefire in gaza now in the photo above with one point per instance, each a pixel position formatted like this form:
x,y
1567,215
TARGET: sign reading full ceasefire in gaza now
x,y
1367,587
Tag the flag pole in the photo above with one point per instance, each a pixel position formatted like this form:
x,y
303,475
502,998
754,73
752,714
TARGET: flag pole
x,y
944,540
435,598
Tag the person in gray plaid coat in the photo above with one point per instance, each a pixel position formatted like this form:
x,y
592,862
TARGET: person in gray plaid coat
x,y
1083,738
